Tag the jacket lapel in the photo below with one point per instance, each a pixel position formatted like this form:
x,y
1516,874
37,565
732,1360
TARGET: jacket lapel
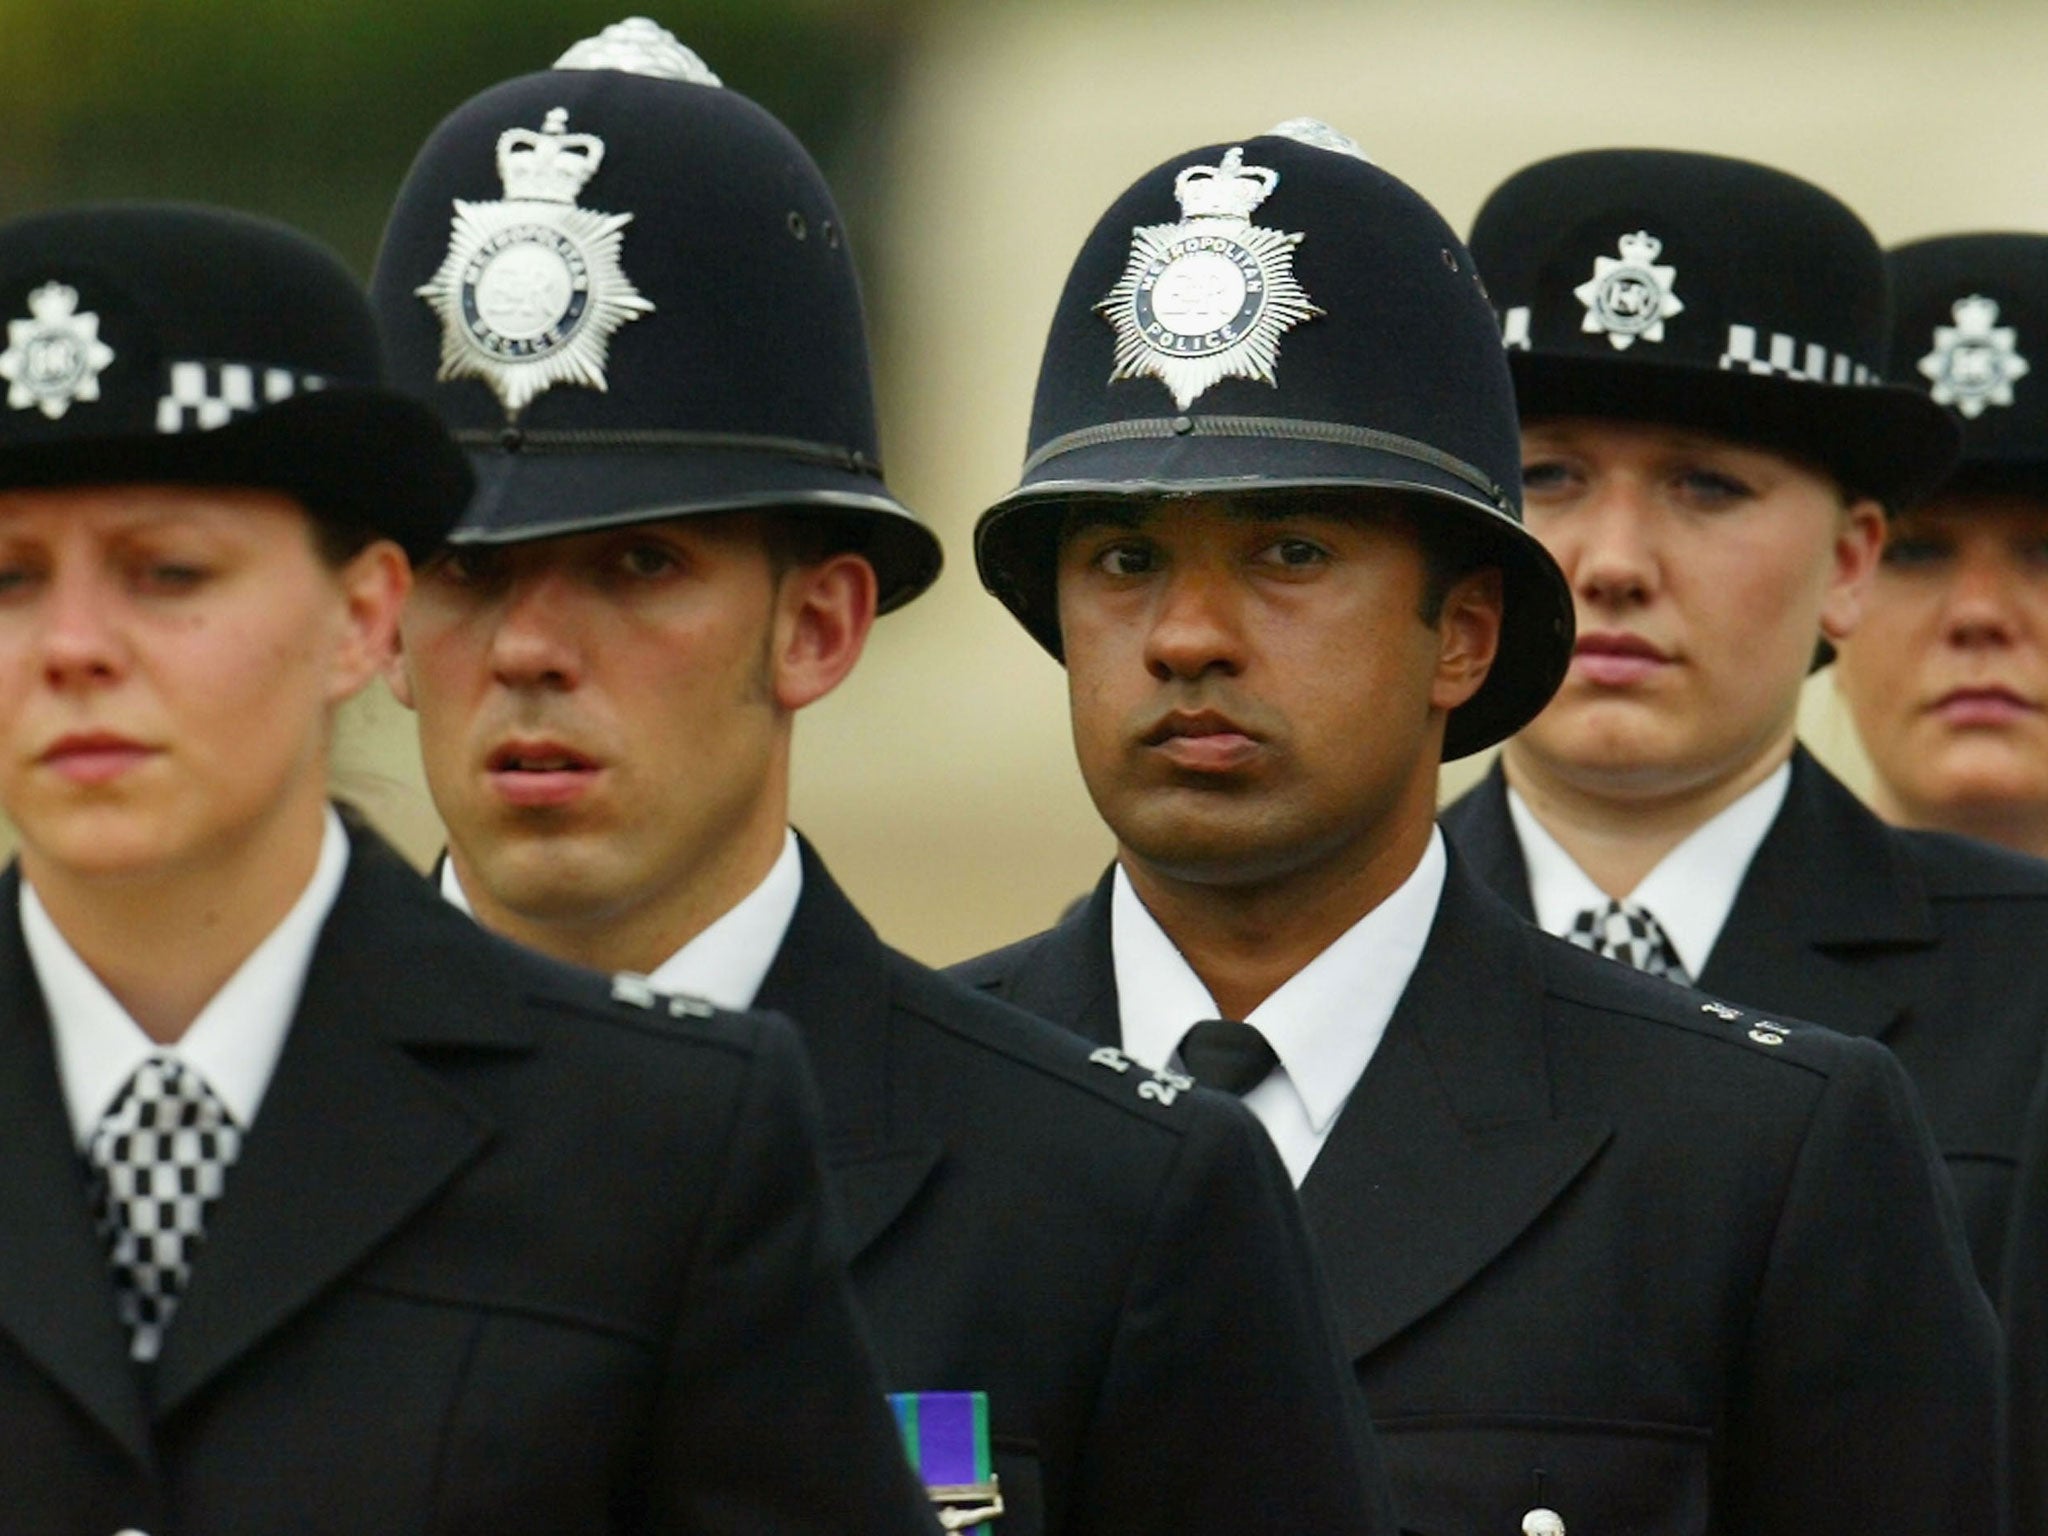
x,y
1069,974
56,1295
1829,883
355,1136
1448,1149
1478,825
831,977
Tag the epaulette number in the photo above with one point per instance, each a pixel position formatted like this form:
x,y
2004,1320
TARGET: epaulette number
x,y
1159,1085
634,988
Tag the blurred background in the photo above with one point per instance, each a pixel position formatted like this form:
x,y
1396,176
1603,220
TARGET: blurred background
x,y
972,144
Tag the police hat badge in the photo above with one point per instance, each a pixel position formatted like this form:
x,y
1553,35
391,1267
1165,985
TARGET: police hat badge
x,y
1723,295
1307,324
1967,310
628,291
162,342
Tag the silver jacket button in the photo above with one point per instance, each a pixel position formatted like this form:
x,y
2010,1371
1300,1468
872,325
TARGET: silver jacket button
x,y
1543,1522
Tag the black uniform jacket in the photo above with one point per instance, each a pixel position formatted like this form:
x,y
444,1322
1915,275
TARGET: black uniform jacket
x,y
500,1255
1597,1248
2026,1321
1928,942
1116,1261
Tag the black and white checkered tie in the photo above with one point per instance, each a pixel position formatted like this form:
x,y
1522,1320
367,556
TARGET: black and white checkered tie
x,y
159,1158
1623,931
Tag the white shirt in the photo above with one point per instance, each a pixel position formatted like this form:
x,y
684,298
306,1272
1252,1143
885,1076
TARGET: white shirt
x,y
1690,892
235,1041
726,963
1324,1022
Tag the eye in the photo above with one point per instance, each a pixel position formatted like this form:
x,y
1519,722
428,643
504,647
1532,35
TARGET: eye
x,y
1914,552
1127,557
171,576
1710,488
1547,477
465,565
1294,553
647,558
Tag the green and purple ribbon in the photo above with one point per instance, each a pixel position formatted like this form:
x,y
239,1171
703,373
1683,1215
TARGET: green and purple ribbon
x,y
945,1435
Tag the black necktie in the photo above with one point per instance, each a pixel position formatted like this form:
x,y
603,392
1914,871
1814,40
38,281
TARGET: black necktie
x,y
1227,1054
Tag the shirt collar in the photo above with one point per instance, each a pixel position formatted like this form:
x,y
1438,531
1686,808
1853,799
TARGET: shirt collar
x,y
726,963
235,1041
1324,1022
1690,892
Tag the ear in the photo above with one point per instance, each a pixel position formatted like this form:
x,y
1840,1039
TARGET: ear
x,y
823,613
1468,637
373,588
1859,542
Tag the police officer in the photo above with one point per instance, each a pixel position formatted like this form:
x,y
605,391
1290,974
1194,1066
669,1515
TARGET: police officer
x,y
1709,448
1947,675
1607,1255
629,290
324,1210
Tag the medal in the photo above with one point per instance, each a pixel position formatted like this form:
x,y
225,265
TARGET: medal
x,y
945,1434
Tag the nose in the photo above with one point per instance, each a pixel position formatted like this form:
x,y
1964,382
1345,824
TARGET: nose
x,y
537,643
82,640
1978,610
1610,552
1196,625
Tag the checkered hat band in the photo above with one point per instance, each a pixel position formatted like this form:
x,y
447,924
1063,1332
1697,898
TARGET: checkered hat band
x,y
1751,350
201,395
157,1161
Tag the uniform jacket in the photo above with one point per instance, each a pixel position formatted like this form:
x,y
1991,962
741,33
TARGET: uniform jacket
x,y
1116,1261
1925,941
500,1255
2026,1321
1598,1248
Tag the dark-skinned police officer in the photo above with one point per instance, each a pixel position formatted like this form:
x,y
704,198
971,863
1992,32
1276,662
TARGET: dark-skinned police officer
x,y
1608,1255
629,290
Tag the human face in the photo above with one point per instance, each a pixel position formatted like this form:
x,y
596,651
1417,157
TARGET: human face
x,y
1703,574
599,717
1947,676
169,658
1255,695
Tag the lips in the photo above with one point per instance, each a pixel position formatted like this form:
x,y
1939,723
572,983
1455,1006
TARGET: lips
x,y
1990,705
540,773
1616,659
1202,741
94,757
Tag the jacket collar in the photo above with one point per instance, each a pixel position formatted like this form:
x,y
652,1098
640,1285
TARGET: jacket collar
x,y
1068,973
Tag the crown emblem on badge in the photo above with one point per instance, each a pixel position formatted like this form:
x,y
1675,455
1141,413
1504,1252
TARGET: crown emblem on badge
x,y
531,290
1976,361
550,166
54,357
1629,298
1207,298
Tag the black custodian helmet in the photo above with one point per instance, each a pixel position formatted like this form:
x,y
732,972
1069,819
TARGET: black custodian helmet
x,y
1970,326
629,292
1280,315
1700,291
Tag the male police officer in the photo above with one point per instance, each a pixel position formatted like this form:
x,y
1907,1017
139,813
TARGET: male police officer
x,y
1640,1262
1947,675
399,1228
1088,1283
1698,350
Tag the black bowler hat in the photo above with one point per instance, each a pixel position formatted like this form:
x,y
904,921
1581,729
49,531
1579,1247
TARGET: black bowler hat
x,y
149,343
1970,326
1700,291
1279,315
628,291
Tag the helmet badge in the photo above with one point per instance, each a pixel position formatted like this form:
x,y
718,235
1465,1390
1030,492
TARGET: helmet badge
x,y
1976,361
54,357
532,290
1207,298
1629,298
